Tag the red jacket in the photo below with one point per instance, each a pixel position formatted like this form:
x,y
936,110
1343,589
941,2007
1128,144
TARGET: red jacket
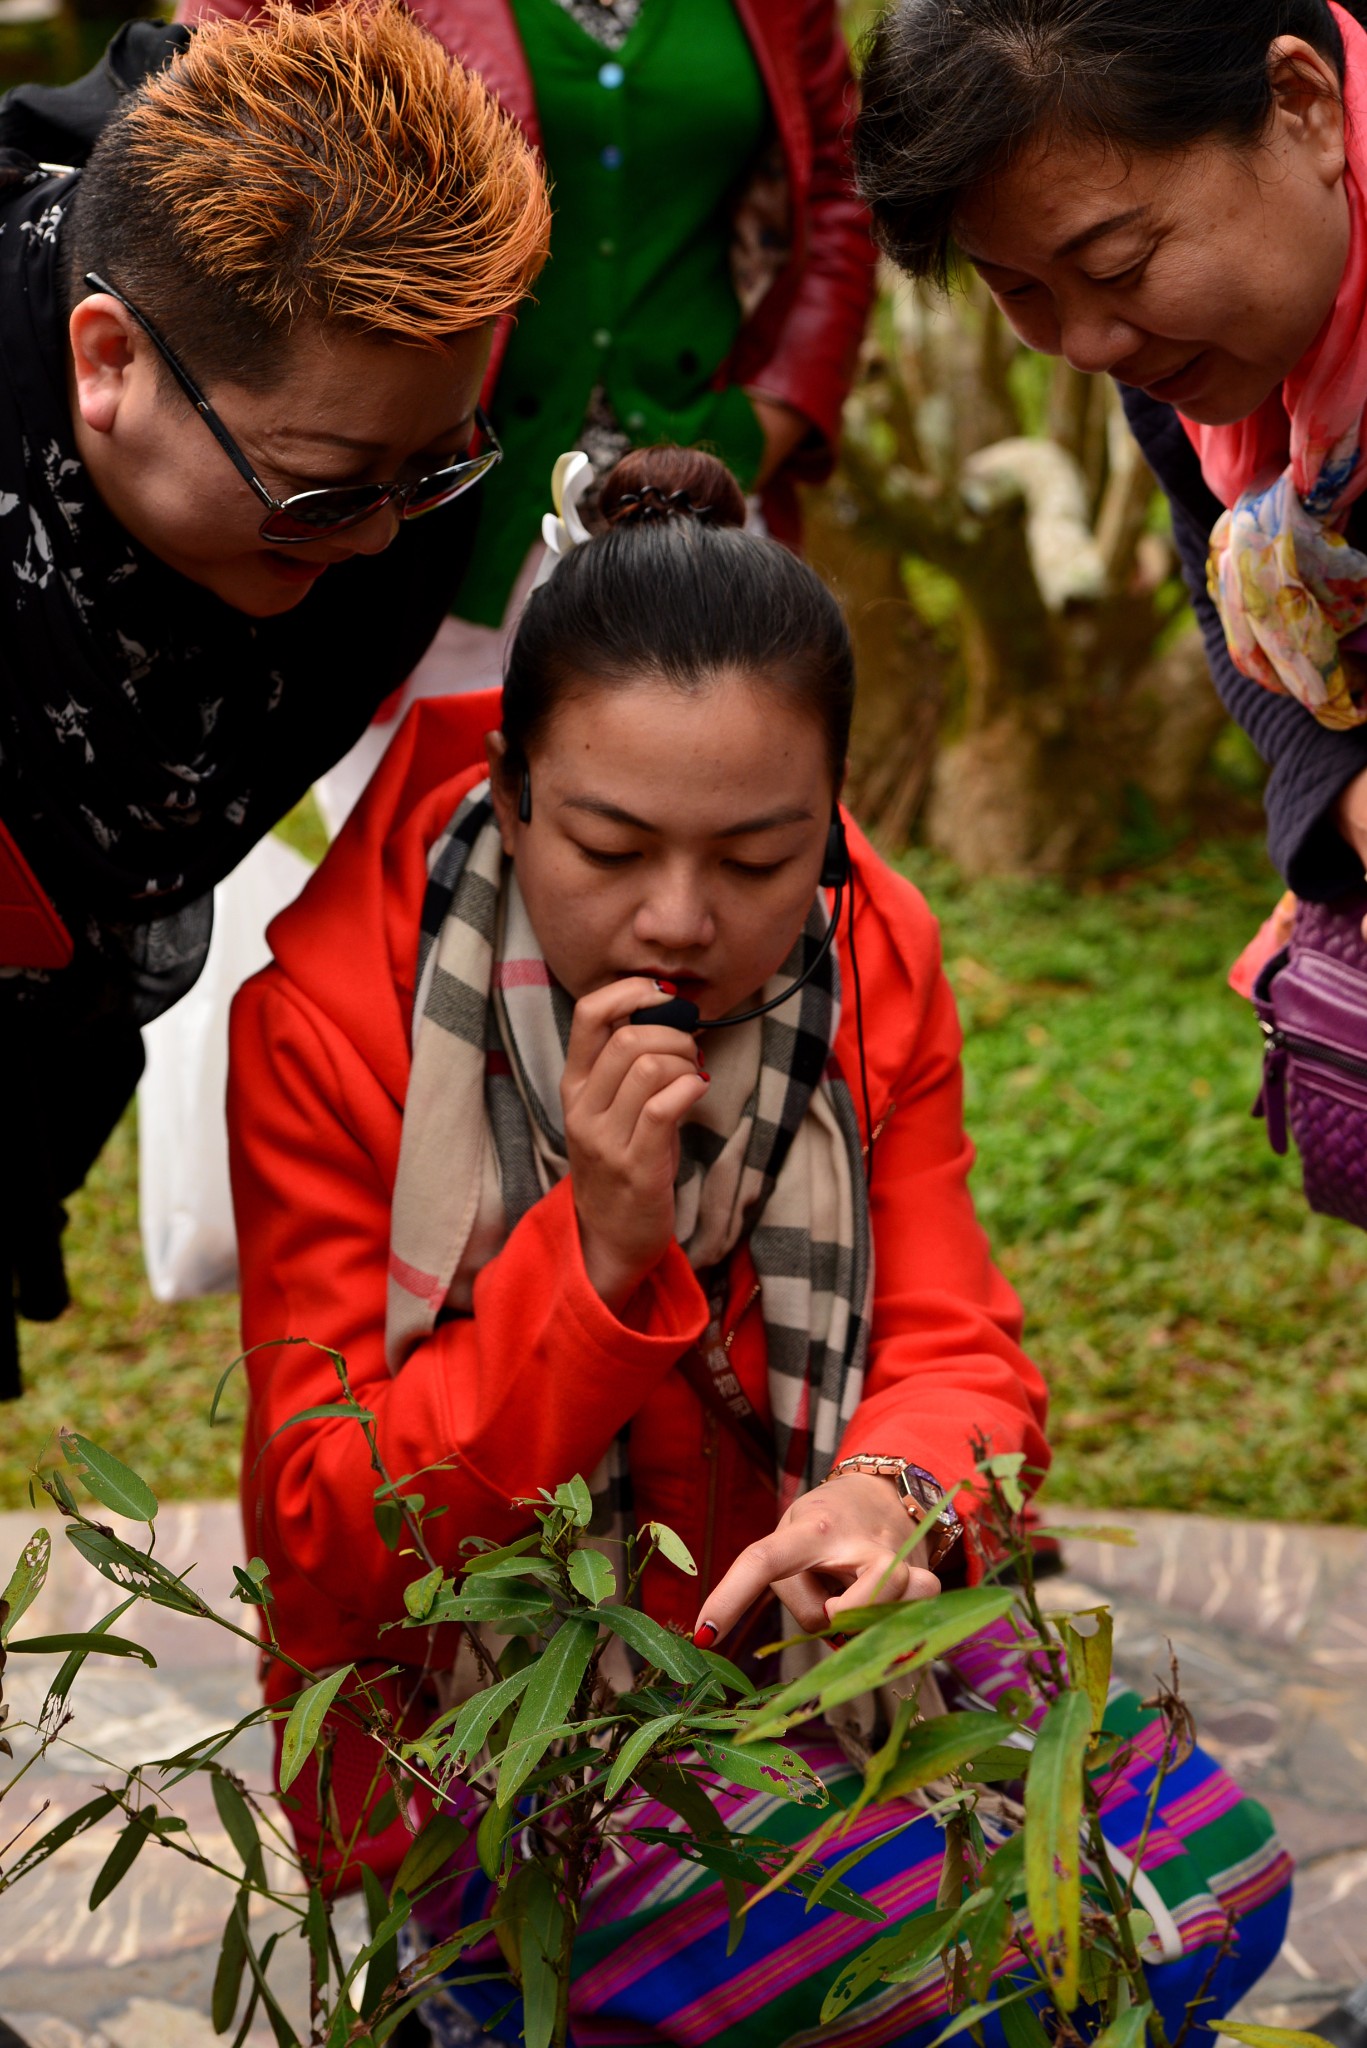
x,y
800,342
534,1385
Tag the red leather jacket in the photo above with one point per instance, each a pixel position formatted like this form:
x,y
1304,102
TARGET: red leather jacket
x,y
800,341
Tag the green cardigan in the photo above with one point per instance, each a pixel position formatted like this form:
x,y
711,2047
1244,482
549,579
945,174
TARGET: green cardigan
x,y
646,147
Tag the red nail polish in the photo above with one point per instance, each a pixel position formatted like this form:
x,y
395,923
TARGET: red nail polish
x,y
704,1635
703,1071
837,1642
668,988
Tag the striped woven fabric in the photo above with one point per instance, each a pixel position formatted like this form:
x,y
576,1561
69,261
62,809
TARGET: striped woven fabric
x,y
651,1963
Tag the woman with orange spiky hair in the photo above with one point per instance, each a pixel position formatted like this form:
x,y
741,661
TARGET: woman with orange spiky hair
x,y
239,351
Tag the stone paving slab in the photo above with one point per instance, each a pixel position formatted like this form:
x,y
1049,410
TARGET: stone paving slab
x,y
1268,1621
1269,1625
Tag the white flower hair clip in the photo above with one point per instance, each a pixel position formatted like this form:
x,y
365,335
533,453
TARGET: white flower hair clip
x,y
563,529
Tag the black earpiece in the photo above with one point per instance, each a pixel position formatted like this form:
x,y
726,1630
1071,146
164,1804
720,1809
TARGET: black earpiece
x,y
835,868
524,798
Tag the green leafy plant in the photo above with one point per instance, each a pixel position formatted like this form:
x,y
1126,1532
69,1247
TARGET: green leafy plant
x,y
547,1762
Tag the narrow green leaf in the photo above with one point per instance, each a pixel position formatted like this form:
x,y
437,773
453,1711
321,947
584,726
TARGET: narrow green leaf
x,y
668,1784
420,1596
1089,1656
251,1592
672,1654
673,1547
57,1837
383,1813
133,1571
485,1560
88,1644
524,1570
893,1642
765,1767
380,1956
824,1879
551,1690
323,1412
513,1606
932,1748
491,1838
574,1497
638,1745
998,1765
389,1522
1093,1532
26,1580
988,1929
1269,2037
284,2033
1127,2031
974,2015
223,1380
239,1825
539,1957
232,1963
1053,1819
592,1575
1024,2028
907,1951
469,1724
747,1862
305,1724
108,1478
119,1861
55,1487
316,1934
430,1852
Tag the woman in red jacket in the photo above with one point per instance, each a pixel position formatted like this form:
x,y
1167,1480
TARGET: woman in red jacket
x,y
550,1239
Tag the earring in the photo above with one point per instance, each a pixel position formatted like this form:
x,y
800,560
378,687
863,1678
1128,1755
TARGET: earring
x,y
524,800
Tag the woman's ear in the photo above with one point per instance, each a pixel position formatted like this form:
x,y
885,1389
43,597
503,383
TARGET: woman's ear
x,y
503,799
105,347
1308,104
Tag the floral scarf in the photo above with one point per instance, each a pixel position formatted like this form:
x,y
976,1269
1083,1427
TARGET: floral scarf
x,y
1290,589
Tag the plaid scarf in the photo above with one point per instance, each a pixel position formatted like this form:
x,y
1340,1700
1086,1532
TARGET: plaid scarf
x,y
771,1155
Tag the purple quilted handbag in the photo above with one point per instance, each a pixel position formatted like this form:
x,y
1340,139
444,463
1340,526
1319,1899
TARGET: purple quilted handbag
x,y
1311,1001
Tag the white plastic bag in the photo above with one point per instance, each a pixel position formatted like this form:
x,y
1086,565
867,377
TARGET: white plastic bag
x,y
189,1245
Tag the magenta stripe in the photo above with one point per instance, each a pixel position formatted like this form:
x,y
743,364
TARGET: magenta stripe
x,y
694,1917
1203,1804
1260,1885
522,974
815,1949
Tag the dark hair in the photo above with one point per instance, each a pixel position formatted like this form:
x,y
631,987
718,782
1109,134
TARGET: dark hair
x,y
952,88
330,166
675,589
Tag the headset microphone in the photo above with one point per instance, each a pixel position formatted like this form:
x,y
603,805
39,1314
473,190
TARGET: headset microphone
x,y
679,1014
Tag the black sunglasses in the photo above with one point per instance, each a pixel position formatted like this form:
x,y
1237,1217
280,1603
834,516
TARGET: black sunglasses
x,y
314,515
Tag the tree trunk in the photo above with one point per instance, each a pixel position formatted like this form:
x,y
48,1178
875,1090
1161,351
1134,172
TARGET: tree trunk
x,y
900,669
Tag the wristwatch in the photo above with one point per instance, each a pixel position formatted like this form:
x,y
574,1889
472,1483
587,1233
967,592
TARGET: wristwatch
x,y
920,1493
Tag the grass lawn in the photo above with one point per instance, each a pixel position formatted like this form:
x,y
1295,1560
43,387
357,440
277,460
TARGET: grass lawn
x,y
1199,1328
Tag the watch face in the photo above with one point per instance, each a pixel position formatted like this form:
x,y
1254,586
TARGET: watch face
x,y
920,1486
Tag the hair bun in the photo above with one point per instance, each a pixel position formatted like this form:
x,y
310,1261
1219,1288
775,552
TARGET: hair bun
x,y
671,483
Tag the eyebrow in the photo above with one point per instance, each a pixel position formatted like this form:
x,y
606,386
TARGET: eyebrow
x,y
1074,242
360,447
795,814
